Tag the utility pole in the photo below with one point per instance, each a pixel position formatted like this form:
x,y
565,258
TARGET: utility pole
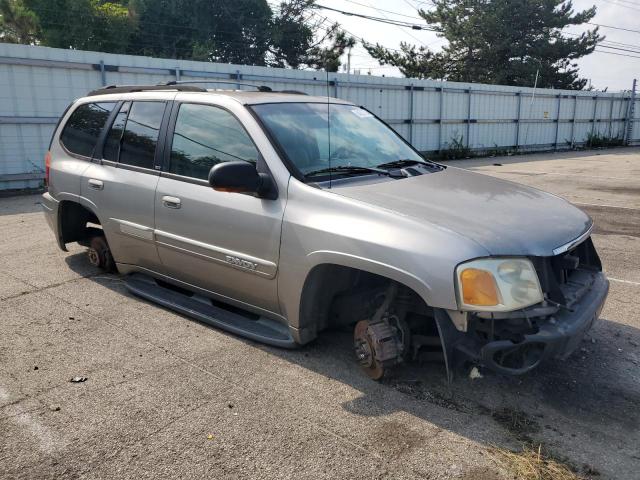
x,y
630,114
348,71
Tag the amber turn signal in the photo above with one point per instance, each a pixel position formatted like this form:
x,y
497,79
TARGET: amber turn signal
x,y
478,288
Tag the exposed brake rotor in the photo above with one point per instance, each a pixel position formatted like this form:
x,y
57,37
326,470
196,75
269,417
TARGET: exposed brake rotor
x,y
376,347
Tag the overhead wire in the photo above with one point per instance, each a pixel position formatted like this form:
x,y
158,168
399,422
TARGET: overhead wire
x,y
399,23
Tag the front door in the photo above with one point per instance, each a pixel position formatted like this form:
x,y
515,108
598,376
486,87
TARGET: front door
x,y
227,243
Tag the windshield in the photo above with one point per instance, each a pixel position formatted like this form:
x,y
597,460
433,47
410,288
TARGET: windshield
x,y
352,138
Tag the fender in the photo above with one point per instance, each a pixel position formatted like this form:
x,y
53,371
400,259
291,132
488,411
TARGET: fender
x,y
291,295
63,197
421,287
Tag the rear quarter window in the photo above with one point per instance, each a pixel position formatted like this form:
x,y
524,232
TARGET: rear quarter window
x,y
81,132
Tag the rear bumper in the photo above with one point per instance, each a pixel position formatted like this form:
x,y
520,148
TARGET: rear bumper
x,y
50,208
557,337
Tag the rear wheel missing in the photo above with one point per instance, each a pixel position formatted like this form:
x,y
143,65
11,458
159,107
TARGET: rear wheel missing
x,y
99,254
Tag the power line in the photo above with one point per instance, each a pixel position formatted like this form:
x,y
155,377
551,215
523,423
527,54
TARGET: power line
x,y
618,54
622,5
357,37
621,49
611,26
629,1
399,23
408,33
383,10
610,43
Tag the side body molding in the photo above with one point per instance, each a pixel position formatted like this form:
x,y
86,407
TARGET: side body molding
x,y
213,253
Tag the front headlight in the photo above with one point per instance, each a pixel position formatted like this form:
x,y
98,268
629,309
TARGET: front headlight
x,y
497,284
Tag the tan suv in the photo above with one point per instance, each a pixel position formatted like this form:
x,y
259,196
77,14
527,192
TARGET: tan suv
x,y
278,215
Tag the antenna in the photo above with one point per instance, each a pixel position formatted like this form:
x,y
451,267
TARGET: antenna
x,y
533,97
328,127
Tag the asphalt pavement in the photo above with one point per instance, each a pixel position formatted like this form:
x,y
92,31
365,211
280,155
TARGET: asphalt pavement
x,y
168,397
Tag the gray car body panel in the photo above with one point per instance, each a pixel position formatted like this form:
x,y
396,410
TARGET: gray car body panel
x,y
415,230
504,217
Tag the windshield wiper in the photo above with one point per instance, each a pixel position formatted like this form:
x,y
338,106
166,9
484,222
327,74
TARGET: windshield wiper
x,y
407,163
349,169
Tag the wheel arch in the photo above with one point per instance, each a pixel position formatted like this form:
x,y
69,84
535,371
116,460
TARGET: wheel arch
x,y
73,217
327,273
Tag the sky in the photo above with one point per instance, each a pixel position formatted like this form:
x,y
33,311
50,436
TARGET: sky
x,y
605,70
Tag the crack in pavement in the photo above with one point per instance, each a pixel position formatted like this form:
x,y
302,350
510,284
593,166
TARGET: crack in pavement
x,y
238,385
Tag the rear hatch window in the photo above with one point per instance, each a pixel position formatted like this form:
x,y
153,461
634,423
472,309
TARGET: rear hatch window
x,y
83,128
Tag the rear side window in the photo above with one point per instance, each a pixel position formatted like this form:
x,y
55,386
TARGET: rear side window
x,y
204,136
133,137
140,136
111,150
83,128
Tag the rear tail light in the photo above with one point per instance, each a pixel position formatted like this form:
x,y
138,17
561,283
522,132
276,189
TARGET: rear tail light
x,y
47,168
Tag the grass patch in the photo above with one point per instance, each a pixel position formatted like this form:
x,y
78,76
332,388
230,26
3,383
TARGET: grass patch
x,y
599,140
520,424
533,464
456,149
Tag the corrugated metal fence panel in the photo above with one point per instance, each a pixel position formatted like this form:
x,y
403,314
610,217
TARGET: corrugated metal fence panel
x,y
37,83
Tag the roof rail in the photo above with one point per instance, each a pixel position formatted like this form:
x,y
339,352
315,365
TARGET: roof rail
x,y
293,92
261,88
143,88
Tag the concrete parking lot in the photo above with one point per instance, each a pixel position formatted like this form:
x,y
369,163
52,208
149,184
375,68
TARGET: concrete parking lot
x,y
166,396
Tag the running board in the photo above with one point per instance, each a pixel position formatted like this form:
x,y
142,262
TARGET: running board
x,y
201,308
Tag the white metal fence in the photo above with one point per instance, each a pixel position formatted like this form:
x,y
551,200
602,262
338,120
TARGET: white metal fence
x,y
37,83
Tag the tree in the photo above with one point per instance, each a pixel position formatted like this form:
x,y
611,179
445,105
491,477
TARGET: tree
x,y
17,23
224,31
231,31
328,58
297,41
240,31
499,41
83,24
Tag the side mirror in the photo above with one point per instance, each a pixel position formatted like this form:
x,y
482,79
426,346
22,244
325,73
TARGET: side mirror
x,y
241,177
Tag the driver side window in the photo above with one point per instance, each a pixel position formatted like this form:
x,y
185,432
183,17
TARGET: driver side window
x,y
204,136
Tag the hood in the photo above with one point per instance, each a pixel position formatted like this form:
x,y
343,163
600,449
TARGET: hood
x,y
505,218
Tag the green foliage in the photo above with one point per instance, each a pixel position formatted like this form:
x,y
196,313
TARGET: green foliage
x,y
455,150
83,24
600,140
501,42
328,58
17,23
240,31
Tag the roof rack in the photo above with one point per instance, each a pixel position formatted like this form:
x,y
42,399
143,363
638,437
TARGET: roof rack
x,y
261,88
181,86
293,92
143,88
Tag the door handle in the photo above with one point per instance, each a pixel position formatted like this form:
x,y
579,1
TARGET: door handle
x,y
171,202
96,184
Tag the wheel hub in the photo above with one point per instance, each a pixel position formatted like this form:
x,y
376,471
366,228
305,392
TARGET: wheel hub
x,y
94,257
376,346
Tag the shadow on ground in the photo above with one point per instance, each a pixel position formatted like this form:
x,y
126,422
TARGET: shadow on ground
x,y
20,205
584,410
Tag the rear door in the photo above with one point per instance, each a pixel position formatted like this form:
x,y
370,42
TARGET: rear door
x,y
77,144
122,185
227,243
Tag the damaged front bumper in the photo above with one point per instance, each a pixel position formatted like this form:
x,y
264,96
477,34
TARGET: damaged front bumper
x,y
517,344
